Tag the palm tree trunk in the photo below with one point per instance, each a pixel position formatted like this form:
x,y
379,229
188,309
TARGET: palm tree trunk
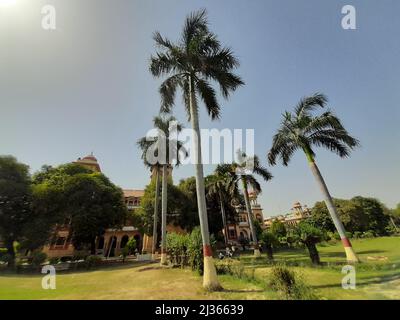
x,y
210,280
11,252
155,227
164,216
223,219
350,254
257,252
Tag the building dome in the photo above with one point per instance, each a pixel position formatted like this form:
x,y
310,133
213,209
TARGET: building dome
x,y
296,205
90,157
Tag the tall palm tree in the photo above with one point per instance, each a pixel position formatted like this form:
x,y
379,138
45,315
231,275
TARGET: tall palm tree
x,y
155,168
301,130
166,151
246,174
192,64
221,185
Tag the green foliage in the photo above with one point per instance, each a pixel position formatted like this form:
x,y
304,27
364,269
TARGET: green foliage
x,y
289,285
15,202
181,210
124,253
92,261
131,245
187,249
278,229
301,130
38,258
90,201
357,214
309,235
234,268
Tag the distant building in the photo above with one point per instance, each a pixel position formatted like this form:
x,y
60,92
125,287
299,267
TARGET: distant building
x,y
113,240
240,229
297,214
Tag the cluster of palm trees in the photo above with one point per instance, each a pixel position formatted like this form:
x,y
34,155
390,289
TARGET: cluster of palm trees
x,y
193,65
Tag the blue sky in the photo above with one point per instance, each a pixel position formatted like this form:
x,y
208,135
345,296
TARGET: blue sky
x,y
86,87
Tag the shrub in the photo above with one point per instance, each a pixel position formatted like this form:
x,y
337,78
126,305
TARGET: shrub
x,y
92,261
368,234
80,255
289,285
38,258
131,245
177,246
234,268
195,251
124,253
357,234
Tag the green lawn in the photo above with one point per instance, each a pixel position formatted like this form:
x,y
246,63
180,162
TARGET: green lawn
x,y
375,280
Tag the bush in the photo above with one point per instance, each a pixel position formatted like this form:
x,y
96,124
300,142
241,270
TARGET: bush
x,y
124,253
92,261
357,234
289,285
38,258
368,234
177,246
80,255
234,268
195,251
131,245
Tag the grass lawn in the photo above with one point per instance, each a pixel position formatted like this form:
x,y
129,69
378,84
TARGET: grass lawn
x,y
375,280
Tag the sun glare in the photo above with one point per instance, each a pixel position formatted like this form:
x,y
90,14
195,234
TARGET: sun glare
x,y
5,3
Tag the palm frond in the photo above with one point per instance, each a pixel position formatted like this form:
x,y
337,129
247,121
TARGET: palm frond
x,y
208,95
308,104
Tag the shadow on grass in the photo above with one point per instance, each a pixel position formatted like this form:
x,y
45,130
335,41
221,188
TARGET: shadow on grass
x,y
364,282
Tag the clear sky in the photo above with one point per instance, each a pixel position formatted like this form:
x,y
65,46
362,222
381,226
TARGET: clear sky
x,y
86,87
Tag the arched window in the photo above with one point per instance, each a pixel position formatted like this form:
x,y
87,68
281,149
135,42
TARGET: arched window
x,y
124,241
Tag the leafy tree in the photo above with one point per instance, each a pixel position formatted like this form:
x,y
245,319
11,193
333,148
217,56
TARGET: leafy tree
x,y
309,235
88,201
15,201
301,130
278,229
96,204
223,187
269,241
357,214
193,64
375,212
180,209
164,158
240,172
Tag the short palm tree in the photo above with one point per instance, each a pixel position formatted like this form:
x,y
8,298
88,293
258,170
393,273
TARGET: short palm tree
x,y
166,152
221,185
245,170
192,64
301,130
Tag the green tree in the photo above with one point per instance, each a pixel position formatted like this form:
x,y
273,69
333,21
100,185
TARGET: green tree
x,y
15,201
307,234
358,214
269,241
301,130
158,153
223,187
193,64
278,229
245,171
89,202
